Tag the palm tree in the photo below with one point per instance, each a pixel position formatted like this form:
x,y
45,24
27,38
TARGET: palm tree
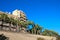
x,y
17,25
39,29
10,22
44,32
58,38
35,29
21,23
3,18
49,33
53,33
30,23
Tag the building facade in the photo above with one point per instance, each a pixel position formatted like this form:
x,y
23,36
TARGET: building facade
x,y
19,15
16,14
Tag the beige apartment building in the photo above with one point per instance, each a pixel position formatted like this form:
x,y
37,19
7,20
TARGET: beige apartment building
x,y
20,14
17,14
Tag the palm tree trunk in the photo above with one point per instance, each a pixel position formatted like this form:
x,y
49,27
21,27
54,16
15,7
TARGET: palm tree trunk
x,y
32,31
2,25
10,26
17,28
40,32
37,32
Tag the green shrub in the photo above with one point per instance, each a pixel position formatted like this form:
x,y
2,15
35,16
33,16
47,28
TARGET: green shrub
x,y
40,38
3,37
58,38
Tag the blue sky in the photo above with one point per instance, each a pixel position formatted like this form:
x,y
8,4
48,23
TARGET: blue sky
x,y
43,12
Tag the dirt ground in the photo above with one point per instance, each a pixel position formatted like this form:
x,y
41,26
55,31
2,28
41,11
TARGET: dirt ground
x,y
24,36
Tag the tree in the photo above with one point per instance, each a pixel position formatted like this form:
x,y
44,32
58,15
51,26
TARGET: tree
x,y
3,18
3,37
58,37
45,32
18,25
49,33
53,33
21,23
39,29
10,22
30,24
